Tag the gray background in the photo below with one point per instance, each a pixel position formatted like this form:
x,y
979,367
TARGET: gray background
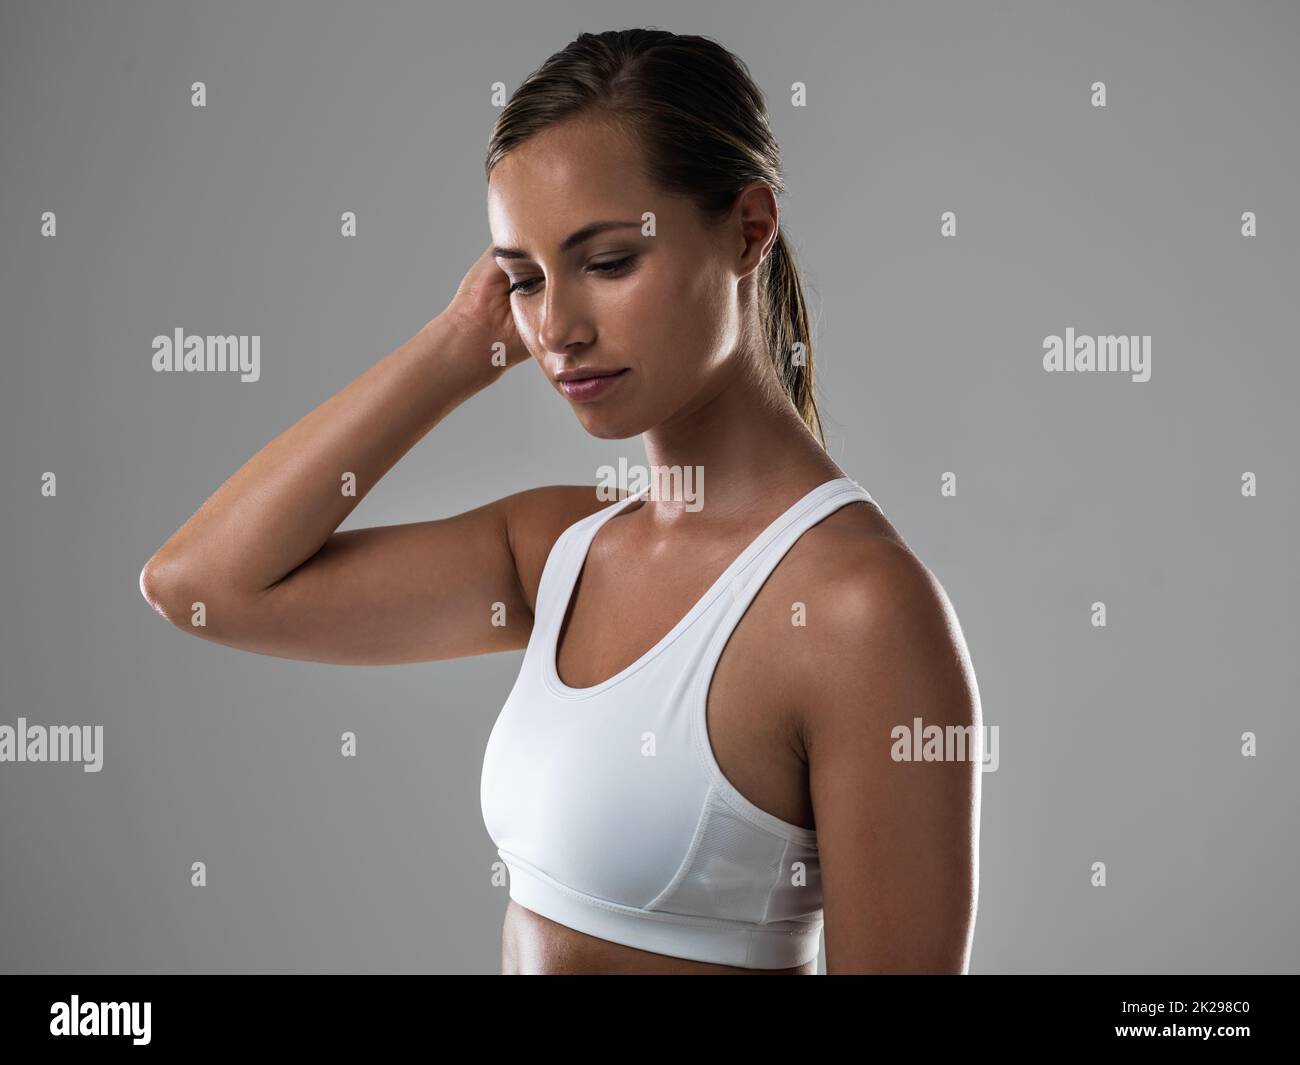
x,y
1118,744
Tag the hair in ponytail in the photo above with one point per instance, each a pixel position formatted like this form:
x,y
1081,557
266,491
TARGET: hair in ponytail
x,y
703,128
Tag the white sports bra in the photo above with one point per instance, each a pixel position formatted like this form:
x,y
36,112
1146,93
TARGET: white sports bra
x,y
606,803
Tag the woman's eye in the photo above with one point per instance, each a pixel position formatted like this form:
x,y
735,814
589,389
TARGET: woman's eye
x,y
519,286
525,288
610,267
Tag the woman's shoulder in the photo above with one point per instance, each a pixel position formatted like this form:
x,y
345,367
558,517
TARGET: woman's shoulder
x,y
537,517
858,561
882,617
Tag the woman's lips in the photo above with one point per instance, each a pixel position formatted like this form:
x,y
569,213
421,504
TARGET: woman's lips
x,y
585,388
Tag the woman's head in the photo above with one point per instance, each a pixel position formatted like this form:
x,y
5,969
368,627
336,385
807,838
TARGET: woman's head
x,y
668,134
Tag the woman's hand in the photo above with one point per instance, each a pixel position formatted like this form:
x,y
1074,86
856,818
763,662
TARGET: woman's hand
x,y
480,317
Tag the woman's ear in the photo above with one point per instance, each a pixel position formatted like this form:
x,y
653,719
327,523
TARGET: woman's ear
x,y
759,225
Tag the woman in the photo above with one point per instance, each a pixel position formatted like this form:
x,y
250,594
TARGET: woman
x,y
699,762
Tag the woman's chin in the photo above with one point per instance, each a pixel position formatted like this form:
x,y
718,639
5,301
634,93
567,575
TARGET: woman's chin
x,y
609,424
603,430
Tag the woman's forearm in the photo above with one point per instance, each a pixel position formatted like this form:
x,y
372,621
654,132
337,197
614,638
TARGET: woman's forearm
x,y
282,505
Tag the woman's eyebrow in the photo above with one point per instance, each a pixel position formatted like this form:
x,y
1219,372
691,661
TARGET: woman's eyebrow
x,y
571,241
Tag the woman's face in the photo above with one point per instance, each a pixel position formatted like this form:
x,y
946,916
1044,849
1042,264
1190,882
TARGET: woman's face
x,y
661,308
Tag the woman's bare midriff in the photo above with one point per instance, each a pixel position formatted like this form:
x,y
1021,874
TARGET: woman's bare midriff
x,y
536,945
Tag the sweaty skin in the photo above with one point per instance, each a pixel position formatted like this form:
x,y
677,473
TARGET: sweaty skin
x,y
681,319
799,727
754,735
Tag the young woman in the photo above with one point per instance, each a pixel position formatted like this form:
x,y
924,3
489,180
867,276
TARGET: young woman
x,y
699,769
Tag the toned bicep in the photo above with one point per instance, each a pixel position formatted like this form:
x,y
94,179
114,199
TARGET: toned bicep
x,y
423,591
898,840
374,596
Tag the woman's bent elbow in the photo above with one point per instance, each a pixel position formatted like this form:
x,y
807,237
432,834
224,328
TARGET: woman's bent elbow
x,y
168,591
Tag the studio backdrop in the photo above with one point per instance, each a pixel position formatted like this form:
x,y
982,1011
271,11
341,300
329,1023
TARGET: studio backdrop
x,y
1051,252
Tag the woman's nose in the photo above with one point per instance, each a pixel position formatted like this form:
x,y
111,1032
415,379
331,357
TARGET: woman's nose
x,y
563,321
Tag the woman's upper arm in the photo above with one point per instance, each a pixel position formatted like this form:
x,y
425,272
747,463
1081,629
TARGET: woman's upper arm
x,y
898,840
421,591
